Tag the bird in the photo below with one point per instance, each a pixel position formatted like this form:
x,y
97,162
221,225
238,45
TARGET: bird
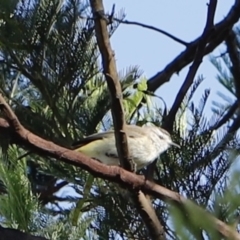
x,y
145,144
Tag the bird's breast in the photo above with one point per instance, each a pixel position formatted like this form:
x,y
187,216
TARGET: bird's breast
x,y
142,150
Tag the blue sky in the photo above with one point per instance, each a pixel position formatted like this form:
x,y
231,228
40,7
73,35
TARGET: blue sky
x,y
151,51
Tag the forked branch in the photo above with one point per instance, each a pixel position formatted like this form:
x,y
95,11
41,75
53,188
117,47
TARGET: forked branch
x,y
221,30
207,32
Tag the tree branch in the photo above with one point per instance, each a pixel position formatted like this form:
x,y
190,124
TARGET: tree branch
x,y
152,28
110,71
129,180
147,212
207,32
156,230
183,59
198,56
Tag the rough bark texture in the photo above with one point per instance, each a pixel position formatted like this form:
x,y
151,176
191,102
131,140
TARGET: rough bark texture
x,y
144,206
110,71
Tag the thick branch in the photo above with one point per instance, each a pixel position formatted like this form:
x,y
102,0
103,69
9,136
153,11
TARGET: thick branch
x,y
129,180
182,60
110,71
207,32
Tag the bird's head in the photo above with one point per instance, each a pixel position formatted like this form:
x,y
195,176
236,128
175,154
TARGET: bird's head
x,y
164,136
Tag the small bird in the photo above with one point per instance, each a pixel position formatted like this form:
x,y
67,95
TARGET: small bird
x,y
145,144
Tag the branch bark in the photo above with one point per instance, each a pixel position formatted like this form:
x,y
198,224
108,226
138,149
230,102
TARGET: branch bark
x,y
168,121
176,39
129,180
145,208
208,42
110,72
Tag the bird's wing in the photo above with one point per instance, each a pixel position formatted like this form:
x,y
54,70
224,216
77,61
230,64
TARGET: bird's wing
x,y
132,132
90,138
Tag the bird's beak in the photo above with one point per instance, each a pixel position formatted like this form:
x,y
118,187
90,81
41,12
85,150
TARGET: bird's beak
x,y
175,145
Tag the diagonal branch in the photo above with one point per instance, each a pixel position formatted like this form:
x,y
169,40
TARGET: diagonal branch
x,y
221,30
176,39
207,32
145,207
129,180
110,71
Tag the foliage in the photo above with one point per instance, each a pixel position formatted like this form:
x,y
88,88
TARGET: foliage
x,y
51,76
21,209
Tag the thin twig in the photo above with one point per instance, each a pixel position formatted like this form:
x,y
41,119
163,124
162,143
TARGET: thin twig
x,y
109,19
152,28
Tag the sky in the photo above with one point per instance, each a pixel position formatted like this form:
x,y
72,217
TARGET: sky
x,y
152,51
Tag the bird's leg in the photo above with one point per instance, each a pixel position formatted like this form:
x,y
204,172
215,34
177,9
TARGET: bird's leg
x,y
133,165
